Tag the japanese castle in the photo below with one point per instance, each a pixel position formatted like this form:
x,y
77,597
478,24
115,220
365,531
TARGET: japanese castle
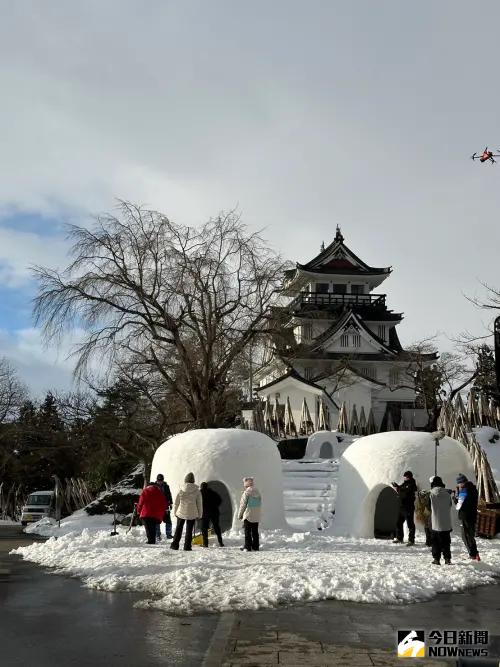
x,y
338,350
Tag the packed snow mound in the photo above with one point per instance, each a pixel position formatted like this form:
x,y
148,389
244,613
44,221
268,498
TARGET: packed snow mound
x,y
372,463
327,444
291,569
226,455
75,524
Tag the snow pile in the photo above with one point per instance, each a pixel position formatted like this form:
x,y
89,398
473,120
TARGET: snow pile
x,y
292,568
225,456
74,524
372,463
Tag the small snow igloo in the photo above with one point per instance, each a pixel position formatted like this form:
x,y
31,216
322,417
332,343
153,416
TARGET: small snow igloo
x,y
327,445
366,504
222,457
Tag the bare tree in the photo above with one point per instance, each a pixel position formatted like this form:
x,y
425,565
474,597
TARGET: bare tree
x,y
12,391
179,301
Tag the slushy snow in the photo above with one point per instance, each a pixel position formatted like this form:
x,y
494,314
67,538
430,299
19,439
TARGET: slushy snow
x,y
292,568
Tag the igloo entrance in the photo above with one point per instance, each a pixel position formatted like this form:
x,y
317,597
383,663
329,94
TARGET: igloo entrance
x,y
326,451
226,507
386,514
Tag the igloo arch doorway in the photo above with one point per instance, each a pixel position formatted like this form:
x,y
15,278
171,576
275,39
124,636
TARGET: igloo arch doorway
x,y
326,451
226,506
386,512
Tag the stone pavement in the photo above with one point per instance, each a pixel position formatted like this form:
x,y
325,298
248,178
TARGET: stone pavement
x,y
348,633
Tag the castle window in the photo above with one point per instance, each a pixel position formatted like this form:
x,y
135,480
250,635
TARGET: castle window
x,y
394,378
308,373
381,331
307,331
344,340
357,289
370,371
356,340
322,288
339,289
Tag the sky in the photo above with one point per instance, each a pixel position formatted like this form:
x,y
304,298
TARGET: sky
x,y
304,115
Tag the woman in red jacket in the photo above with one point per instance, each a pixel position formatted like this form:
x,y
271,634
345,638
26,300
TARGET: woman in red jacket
x,y
151,508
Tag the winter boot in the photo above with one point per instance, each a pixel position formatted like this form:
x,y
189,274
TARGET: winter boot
x,y
436,562
447,561
410,544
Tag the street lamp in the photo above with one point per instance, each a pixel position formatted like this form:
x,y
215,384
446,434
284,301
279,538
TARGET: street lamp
x,y
437,435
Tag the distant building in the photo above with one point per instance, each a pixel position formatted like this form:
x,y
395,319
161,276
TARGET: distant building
x,y
338,344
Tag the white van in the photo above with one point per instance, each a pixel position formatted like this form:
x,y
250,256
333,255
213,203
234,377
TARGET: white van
x,y
40,504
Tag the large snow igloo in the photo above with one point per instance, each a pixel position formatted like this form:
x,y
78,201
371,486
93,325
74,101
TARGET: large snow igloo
x,y
366,505
222,457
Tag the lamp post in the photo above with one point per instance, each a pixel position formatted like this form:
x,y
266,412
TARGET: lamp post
x,y
437,435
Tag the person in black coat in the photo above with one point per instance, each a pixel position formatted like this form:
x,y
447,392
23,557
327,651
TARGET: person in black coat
x,y
211,512
406,492
165,489
466,499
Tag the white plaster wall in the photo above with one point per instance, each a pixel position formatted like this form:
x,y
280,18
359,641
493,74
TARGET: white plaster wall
x,y
226,455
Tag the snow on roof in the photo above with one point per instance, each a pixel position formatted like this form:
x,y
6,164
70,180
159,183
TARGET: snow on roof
x,y
375,461
226,455
42,493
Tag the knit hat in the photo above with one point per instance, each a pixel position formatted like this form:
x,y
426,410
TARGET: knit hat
x,y
461,479
189,478
437,481
431,479
408,473
247,481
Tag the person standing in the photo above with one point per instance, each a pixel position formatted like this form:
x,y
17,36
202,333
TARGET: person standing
x,y
466,499
188,507
151,509
249,513
440,499
406,492
165,489
211,502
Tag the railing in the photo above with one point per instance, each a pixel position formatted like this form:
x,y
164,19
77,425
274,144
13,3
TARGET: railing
x,y
330,299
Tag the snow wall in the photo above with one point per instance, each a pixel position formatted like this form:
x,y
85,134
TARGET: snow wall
x,y
226,455
371,463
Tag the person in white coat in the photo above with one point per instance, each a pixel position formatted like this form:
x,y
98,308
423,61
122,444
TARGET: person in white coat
x,y
188,507
249,513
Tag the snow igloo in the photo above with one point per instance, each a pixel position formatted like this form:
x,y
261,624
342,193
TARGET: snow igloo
x,y
327,445
366,504
222,457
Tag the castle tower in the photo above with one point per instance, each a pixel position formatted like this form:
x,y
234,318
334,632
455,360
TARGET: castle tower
x,y
342,343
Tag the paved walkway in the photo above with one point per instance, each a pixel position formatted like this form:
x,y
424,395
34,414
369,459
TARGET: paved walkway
x,y
347,633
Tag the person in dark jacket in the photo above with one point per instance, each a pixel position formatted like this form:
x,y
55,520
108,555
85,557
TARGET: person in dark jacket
x,y
466,499
440,502
406,492
151,508
165,489
211,504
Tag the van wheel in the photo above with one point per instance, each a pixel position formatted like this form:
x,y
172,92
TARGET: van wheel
x,y
24,523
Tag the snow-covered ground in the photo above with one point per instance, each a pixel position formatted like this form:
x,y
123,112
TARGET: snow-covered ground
x,y
9,522
291,568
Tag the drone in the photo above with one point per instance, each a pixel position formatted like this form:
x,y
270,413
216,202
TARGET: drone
x,y
486,155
